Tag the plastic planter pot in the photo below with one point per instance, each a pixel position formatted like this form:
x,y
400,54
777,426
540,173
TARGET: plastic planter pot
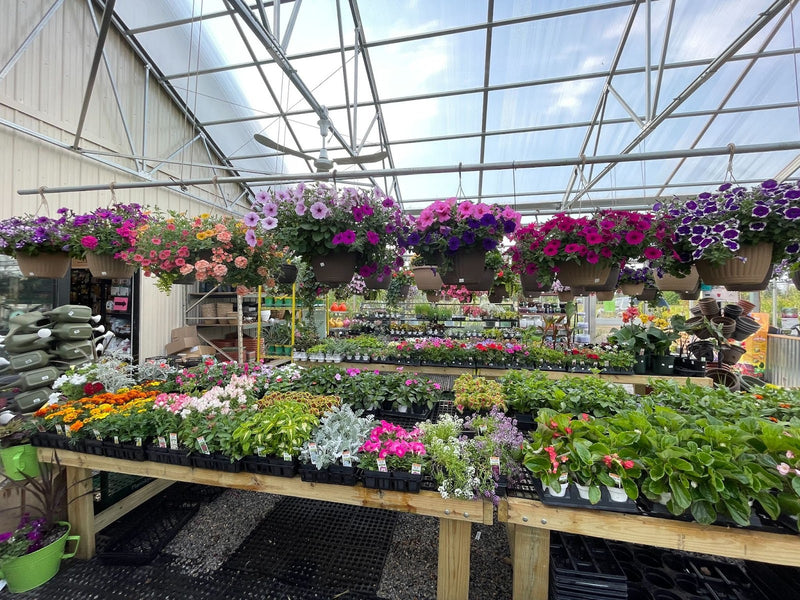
x,y
19,461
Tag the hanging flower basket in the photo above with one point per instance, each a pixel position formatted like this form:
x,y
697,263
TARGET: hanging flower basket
x,y
104,266
468,268
498,294
373,283
530,284
733,287
288,274
605,296
48,265
485,283
566,296
334,268
610,284
433,296
648,294
427,278
575,274
748,268
632,289
670,283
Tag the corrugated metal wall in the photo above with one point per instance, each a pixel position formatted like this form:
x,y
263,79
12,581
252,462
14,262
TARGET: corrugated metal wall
x,y
43,93
783,360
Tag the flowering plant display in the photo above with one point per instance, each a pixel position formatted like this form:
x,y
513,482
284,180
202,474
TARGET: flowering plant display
x,y
399,287
27,537
713,226
608,238
399,447
477,393
636,275
320,219
105,231
340,430
33,235
449,226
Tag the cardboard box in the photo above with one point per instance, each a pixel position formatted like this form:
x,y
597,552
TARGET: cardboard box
x,y
183,332
185,343
198,351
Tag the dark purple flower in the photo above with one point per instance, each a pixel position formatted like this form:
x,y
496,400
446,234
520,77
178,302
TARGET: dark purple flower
x,y
683,230
468,237
699,229
687,220
657,206
473,223
718,228
509,226
488,220
725,187
792,194
730,234
691,205
758,226
696,239
704,195
760,211
731,245
769,184
489,244
453,244
348,236
792,213
793,248
706,242
413,238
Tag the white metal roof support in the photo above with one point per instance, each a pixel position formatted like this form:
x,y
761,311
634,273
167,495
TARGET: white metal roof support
x,y
30,37
487,65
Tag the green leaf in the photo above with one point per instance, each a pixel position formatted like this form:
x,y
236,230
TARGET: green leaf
x,y
594,494
630,488
657,471
769,503
705,458
680,492
703,512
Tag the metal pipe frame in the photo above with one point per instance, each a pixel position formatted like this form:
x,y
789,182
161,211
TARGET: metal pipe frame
x,y
500,166
105,25
487,64
29,38
763,19
662,60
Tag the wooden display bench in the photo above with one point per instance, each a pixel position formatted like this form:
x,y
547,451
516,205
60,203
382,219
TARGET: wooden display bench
x,y
455,516
530,522
391,368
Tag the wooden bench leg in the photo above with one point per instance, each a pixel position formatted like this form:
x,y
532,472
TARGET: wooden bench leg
x,y
81,509
531,559
454,547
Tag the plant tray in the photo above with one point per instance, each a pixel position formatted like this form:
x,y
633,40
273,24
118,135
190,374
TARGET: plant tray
x,y
585,567
168,456
573,500
270,465
124,451
93,447
334,474
49,439
215,462
525,421
377,480
405,482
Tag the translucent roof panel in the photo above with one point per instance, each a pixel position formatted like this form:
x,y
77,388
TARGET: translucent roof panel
x,y
434,84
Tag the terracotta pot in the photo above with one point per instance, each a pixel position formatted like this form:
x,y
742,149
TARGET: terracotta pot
x,y
103,266
48,265
427,278
741,273
575,274
335,268
671,283
609,284
746,307
631,289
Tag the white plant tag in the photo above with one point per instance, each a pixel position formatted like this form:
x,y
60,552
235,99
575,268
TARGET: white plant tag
x,y
162,441
416,469
382,465
173,441
203,446
347,460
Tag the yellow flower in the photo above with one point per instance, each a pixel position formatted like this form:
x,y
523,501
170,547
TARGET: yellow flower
x,y
205,216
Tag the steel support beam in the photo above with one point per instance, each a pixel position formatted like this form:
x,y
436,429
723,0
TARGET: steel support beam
x,y
487,65
184,146
350,124
30,37
664,46
763,19
626,106
105,25
501,166
287,35
787,171
648,26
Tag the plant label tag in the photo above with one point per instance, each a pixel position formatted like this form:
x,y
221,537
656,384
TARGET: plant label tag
x,y
96,434
138,441
260,450
67,432
617,479
312,451
287,457
116,439
59,429
173,441
40,427
382,465
203,446
347,460
494,461
162,441
416,469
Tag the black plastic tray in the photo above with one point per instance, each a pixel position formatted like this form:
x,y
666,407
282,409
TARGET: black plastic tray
x,y
573,500
168,456
215,462
270,465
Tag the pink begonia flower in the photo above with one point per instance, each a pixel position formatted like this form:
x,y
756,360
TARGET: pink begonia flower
x,y
783,468
789,454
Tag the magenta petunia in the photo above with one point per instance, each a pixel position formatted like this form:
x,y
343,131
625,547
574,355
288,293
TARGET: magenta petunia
x,y
652,253
634,237
373,238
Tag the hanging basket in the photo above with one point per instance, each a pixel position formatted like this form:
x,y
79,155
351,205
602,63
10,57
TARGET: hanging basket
x,y
566,296
427,278
648,294
796,279
48,265
335,268
433,296
733,287
497,294
484,285
187,279
631,289
671,283
582,275
748,273
288,274
530,284
104,266
373,283
605,296
609,285
468,268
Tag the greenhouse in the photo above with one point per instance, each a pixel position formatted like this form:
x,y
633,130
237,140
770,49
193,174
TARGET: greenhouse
x,y
398,300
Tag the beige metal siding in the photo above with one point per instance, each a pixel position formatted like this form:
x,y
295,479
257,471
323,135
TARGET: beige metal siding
x,y
783,360
44,92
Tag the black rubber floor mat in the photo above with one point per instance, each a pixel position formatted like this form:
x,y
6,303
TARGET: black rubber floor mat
x,y
318,546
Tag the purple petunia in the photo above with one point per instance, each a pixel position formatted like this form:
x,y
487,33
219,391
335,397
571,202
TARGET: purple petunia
x,y
270,209
760,211
730,234
453,244
793,248
269,222
319,210
769,184
489,244
758,226
731,245
251,219
468,237
373,238
792,213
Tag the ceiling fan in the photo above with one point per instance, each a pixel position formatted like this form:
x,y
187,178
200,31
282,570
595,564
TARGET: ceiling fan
x,y
322,162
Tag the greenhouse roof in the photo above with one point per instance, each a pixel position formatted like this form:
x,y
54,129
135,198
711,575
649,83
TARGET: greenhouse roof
x,y
546,87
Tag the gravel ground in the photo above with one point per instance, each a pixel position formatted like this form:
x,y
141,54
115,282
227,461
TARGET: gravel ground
x,y
410,569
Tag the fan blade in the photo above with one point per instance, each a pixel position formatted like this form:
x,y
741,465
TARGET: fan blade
x,y
364,158
265,141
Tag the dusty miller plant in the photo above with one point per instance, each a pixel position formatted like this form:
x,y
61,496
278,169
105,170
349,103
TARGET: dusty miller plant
x,y
152,370
114,372
340,429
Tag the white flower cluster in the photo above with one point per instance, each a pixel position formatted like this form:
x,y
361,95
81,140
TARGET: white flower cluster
x,y
220,398
74,379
